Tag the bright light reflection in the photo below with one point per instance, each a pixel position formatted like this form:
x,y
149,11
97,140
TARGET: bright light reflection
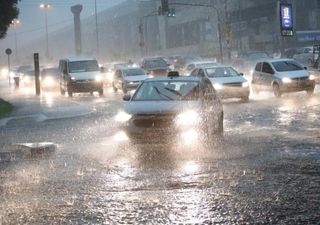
x,y
190,167
48,99
120,137
190,137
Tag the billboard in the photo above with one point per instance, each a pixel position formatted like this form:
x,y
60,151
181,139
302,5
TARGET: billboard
x,y
286,19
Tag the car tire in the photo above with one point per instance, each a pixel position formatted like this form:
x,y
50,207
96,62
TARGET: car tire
x,y
124,89
276,90
62,91
100,92
310,91
70,93
114,87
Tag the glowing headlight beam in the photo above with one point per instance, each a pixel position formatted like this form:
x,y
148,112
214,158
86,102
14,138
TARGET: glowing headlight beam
x,y
245,84
286,80
98,78
217,86
188,118
122,117
312,77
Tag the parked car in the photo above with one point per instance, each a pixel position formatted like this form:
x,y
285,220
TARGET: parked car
x,y
282,76
155,66
226,80
49,78
80,75
128,79
192,65
306,55
173,108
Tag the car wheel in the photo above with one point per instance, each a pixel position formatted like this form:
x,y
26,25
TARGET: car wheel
x,y
124,89
310,91
100,92
62,91
114,87
245,98
276,90
70,93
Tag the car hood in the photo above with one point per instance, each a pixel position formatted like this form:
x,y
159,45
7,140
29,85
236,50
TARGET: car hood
x,y
136,78
159,107
227,80
293,74
157,68
85,75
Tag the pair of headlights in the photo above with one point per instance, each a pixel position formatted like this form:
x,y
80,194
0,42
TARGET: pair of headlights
x,y
218,86
287,80
188,118
97,78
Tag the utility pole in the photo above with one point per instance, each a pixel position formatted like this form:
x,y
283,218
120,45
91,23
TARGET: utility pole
x,y
97,31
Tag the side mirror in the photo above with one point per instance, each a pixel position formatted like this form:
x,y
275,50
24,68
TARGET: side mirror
x,y
126,97
241,74
305,68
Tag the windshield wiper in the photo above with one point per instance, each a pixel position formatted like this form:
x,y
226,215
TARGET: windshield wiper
x,y
159,93
173,91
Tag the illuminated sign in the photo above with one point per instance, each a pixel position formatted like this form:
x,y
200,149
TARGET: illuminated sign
x,y
286,20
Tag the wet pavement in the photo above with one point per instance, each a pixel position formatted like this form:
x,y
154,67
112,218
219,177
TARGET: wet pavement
x,y
267,170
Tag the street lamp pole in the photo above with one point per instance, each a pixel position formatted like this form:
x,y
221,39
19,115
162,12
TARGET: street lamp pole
x,y
97,32
46,7
14,24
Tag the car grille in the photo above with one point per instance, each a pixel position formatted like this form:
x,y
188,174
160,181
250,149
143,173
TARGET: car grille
x,y
233,85
299,79
85,81
154,121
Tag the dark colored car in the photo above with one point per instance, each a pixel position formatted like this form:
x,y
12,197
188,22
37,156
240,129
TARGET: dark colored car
x,y
155,66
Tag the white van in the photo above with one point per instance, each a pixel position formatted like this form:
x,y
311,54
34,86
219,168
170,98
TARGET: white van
x,y
80,75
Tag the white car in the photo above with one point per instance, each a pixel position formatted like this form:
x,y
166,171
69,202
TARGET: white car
x,y
187,69
306,56
226,80
281,76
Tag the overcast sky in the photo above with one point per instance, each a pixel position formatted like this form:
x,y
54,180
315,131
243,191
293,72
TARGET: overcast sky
x,y
32,18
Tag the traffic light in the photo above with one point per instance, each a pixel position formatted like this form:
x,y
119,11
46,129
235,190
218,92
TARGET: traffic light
x,y
171,13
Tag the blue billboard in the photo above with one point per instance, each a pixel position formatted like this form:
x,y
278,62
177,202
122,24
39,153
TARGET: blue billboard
x,y
286,19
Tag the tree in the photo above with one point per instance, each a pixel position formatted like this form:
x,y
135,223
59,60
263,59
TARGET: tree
x,y
8,12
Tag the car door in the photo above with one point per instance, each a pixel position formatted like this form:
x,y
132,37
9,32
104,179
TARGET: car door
x,y
256,76
267,76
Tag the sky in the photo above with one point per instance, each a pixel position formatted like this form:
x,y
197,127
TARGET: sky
x,y
32,17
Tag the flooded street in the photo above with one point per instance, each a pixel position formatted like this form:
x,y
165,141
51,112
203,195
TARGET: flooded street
x,y
266,171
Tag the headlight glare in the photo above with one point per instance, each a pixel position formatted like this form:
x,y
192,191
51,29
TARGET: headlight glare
x,y
188,118
218,86
312,77
98,78
245,84
122,117
286,80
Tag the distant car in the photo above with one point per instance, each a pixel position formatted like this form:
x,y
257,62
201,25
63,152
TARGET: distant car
x,y
26,78
247,61
226,80
192,65
79,74
306,56
180,62
107,70
155,66
282,76
173,108
50,78
128,79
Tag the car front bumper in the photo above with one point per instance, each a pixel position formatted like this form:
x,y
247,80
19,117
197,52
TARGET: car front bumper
x,y
296,86
85,86
233,92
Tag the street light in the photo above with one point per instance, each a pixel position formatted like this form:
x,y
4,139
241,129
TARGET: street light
x,y
46,7
14,24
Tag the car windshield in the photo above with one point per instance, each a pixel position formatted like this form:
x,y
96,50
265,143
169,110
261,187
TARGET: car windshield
x,y
221,72
155,63
258,55
167,91
83,66
284,66
133,72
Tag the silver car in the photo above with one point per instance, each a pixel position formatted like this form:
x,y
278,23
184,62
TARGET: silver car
x,y
173,108
226,80
281,76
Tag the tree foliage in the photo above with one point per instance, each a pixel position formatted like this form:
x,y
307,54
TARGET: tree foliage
x,y
8,12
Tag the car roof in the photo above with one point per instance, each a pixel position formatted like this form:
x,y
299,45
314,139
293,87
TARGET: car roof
x,y
174,78
78,58
275,60
202,62
212,66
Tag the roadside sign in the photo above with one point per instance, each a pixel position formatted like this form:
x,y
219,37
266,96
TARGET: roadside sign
x,y
286,19
8,51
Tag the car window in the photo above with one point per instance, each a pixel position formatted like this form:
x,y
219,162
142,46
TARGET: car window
x,y
201,73
167,91
266,68
133,72
83,66
155,63
287,66
258,67
190,67
221,72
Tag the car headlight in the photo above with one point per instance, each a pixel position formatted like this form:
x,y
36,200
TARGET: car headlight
x,y
26,79
122,117
110,76
218,86
312,77
73,78
286,80
245,84
98,78
188,118
48,81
